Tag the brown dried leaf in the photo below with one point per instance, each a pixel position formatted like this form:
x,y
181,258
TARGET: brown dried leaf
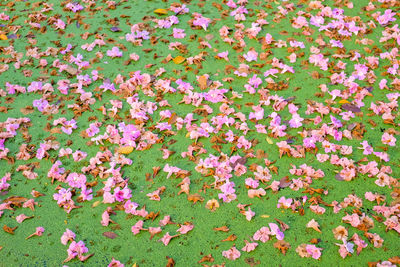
x,y
15,200
282,245
110,235
351,107
71,70
27,110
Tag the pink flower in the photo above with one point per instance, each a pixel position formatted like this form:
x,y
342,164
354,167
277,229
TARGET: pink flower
x,y
313,251
68,126
251,56
185,228
60,24
39,232
121,195
263,234
68,235
115,263
77,249
130,207
105,218
232,254
137,227
153,231
284,203
179,33
200,20
167,238
223,55
166,220
249,214
352,219
20,218
276,231
114,52
79,155
388,139
249,246
76,180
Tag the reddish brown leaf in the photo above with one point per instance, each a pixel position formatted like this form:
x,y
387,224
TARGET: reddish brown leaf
x,y
110,235
171,262
9,229
208,258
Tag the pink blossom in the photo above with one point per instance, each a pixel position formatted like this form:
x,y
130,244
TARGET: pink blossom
x,y
137,227
167,238
115,263
388,139
68,235
263,234
249,246
276,231
114,52
179,33
20,218
39,232
313,251
76,180
185,228
60,24
153,231
232,254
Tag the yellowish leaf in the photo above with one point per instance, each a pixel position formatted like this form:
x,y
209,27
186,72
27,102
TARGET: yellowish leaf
x,y
96,203
3,37
179,60
125,150
269,140
161,11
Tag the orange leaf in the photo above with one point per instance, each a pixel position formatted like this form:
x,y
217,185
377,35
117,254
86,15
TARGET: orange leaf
x,y
232,237
195,197
171,262
161,11
178,59
202,82
125,150
222,229
9,229
3,37
208,258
